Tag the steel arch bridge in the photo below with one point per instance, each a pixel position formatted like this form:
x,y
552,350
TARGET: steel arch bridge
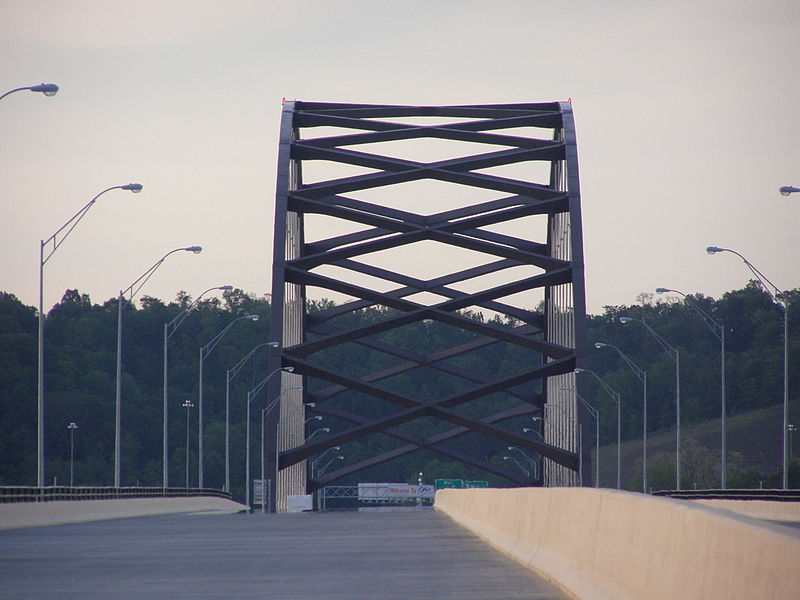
x,y
355,217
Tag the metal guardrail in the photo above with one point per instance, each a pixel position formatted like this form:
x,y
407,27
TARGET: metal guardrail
x,y
61,493
758,494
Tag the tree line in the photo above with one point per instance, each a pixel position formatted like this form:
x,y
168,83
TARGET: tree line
x,y
80,358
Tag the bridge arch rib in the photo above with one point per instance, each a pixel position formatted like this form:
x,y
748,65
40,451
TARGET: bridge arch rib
x,y
478,244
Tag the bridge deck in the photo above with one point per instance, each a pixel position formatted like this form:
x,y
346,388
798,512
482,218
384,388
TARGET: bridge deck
x,y
287,557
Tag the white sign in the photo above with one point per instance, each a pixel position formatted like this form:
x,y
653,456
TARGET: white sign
x,y
258,490
387,492
300,503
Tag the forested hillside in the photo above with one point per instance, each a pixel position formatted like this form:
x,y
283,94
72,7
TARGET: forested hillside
x,y
80,348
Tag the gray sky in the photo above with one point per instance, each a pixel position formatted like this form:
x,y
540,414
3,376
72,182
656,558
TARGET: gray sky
x,y
686,114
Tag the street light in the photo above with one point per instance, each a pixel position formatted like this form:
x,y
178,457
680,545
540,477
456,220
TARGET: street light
x,y
524,470
72,427
204,352
785,190
316,431
252,393
596,414
56,243
314,418
643,378
229,375
719,331
132,289
328,464
579,434
264,412
674,354
528,458
321,456
614,396
169,329
48,89
784,304
187,405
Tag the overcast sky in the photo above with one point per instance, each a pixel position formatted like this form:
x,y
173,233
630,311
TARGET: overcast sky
x,y
686,114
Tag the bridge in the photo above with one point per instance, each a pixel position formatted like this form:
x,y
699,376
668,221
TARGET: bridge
x,y
478,543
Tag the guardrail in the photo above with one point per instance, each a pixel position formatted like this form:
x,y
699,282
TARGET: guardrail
x,y
758,494
61,493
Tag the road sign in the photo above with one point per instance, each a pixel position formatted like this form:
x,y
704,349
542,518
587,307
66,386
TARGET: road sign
x,y
448,483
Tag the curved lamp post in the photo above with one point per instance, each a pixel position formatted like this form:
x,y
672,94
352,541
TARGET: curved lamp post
x,y
229,375
46,249
321,456
169,329
774,293
132,289
324,467
252,393
316,431
785,190
48,89
616,398
523,469
719,331
674,354
204,352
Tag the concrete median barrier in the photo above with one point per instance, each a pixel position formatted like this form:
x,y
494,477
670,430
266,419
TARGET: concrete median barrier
x,y
611,545
36,514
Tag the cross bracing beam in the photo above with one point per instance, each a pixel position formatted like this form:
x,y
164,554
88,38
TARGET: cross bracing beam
x,y
552,333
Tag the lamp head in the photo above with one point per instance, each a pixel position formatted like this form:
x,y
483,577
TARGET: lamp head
x,y
48,89
596,345
506,458
337,447
274,344
526,429
195,249
326,429
311,405
785,190
662,290
252,317
317,417
225,288
288,369
713,249
625,319
133,187
581,370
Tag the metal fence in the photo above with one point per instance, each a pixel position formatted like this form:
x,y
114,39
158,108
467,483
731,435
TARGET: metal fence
x,y
61,493
758,494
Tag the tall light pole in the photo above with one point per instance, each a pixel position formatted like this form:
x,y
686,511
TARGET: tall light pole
x,y
132,289
72,427
229,375
616,397
595,413
169,329
204,352
251,394
579,433
264,413
785,190
324,467
523,469
46,249
187,405
774,293
674,354
719,331
316,431
48,89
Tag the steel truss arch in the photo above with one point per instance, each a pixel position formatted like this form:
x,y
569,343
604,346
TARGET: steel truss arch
x,y
553,335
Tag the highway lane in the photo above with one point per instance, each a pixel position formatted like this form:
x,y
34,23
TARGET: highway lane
x,y
330,556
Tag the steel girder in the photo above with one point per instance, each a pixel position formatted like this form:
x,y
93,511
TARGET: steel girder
x,y
298,264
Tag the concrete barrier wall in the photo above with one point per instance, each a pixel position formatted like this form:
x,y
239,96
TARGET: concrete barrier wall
x,y
611,545
18,515
769,510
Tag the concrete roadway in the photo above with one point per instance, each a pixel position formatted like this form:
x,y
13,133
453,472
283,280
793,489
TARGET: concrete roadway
x,y
330,556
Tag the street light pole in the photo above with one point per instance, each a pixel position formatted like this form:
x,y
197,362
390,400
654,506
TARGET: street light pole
x,y
616,397
54,242
132,289
229,375
169,329
187,405
719,331
674,354
72,427
252,393
643,378
204,352
784,304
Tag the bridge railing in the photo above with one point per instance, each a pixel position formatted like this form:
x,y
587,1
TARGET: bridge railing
x,y
62,493
757,494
